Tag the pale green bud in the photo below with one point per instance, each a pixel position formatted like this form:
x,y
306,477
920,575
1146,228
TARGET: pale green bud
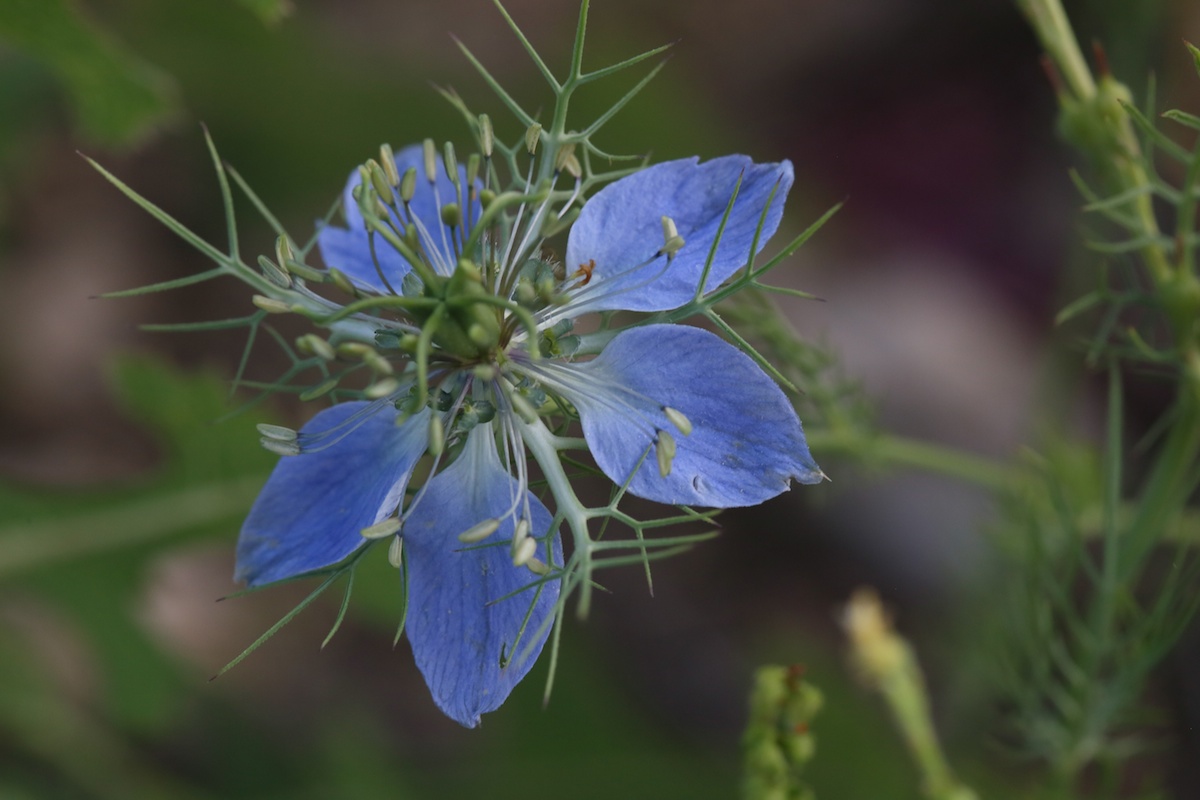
x,y
672,241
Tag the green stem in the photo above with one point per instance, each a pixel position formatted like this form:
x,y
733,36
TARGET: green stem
x,y
36,544
899,451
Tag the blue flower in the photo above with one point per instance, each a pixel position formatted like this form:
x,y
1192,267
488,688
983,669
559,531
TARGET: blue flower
x,y
670,411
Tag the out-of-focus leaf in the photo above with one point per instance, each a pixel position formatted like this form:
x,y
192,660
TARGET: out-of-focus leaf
x,y
118,98
86,556
271,12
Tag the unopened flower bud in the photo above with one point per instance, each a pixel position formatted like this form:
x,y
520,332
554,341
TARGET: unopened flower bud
x,y
378,364
451,216
486,197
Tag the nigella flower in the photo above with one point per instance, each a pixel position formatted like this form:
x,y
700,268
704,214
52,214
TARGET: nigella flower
x,y
479,324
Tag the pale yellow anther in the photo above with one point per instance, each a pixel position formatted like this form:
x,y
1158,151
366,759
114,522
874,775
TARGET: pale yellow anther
x,y
437,435
382,529
524,551
283,252
381,388
565,152
341,281
277,432
387,160
479,531
396,552
665,450
537,566
408,185
678,419
271,305
380,183
487,138
279,448
533,135
312,344
429,152
672,241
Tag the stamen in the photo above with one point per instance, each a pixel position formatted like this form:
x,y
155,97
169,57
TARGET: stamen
x,y
479,531
277,433
387,159
271,305
524,551
382,529
665,450
396,553
678,419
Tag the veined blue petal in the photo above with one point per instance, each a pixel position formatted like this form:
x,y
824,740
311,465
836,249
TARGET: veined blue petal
x,y
746,442
349,250
459,625
314,505
620,229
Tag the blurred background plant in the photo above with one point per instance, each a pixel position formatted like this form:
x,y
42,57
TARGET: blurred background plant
x,y
1016,490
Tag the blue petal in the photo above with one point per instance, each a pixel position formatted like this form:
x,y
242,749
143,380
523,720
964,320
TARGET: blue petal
x,y
314,505
349,248
746,443
458,623
620,229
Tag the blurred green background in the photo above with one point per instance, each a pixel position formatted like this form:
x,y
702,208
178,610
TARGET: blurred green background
x,y
121,493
